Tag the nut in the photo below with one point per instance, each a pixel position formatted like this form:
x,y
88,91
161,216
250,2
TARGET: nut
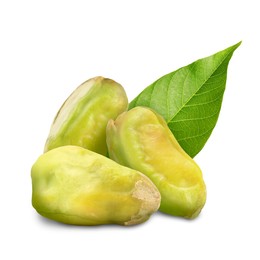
x,y
140,139
76,186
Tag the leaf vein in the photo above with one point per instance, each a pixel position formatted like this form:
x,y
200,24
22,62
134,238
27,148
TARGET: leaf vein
x,y
189,72
193,119
208,91
204,103
219,74
195,136
152,93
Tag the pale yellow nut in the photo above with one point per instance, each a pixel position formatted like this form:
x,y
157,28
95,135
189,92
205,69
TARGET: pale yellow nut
x,y
76,186
141,139
83,117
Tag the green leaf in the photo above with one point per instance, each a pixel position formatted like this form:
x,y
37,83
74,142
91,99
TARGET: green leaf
x,y
190,99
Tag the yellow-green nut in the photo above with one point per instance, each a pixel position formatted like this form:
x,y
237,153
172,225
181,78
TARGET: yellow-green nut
x,y
141,139
83,117
76,186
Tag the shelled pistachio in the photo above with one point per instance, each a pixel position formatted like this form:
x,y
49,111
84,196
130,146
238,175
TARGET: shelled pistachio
x,y
83,117
141,139
76,186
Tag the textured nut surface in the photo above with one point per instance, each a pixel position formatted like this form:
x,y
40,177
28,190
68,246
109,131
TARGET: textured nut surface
x,y
76,186
141,139
83,117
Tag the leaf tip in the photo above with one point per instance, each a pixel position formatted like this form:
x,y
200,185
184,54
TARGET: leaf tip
x,y
238,44
235,46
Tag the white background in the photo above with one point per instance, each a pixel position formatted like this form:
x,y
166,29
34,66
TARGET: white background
x,y
48,48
